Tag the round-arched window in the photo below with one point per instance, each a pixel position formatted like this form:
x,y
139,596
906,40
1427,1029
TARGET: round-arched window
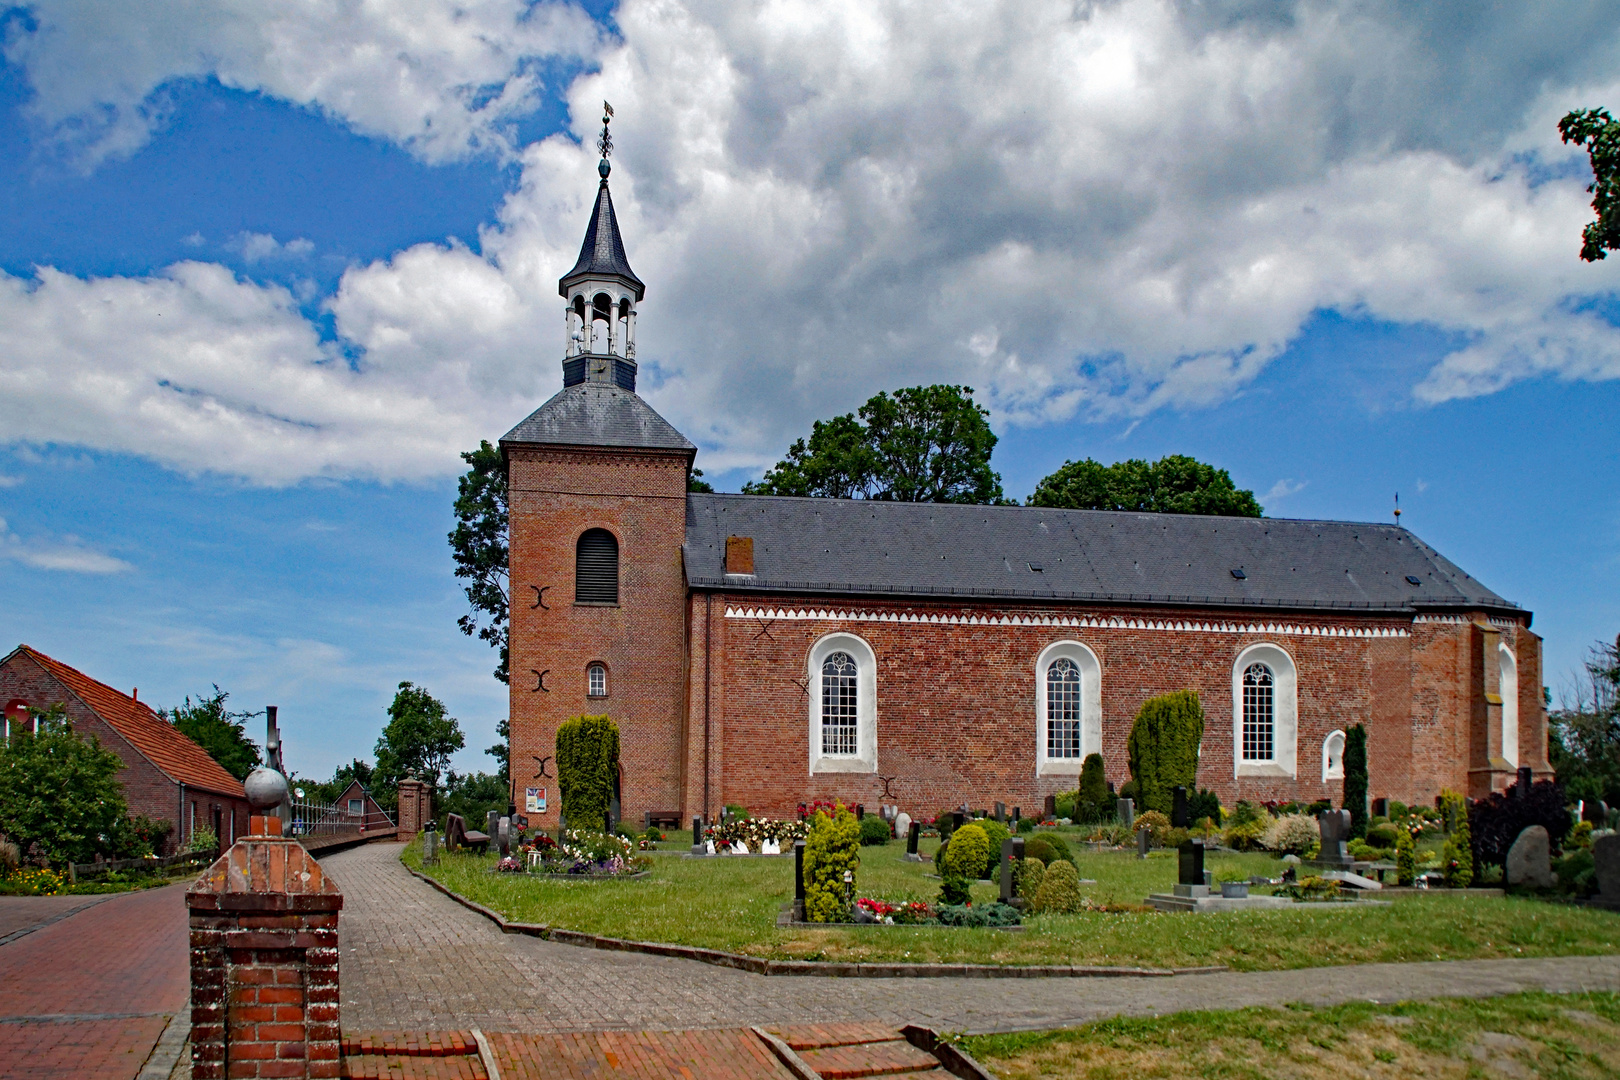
x,y
596,568
840,714
1259,714
596,680
1063,709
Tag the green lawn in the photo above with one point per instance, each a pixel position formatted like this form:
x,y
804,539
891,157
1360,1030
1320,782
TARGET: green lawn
x,y
1573,1037
732,904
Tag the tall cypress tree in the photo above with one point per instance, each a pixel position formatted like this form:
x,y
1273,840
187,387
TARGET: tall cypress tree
x,y
1355,778
1163,747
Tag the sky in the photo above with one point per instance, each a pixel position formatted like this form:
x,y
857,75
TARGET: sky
x,y
266,271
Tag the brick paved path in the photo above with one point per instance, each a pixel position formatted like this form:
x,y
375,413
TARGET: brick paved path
x,y
88,995
415,960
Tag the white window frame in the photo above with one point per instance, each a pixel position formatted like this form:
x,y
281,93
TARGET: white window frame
x,y
864,760
1090,707
1284,712
1507,687
590,669
1333,756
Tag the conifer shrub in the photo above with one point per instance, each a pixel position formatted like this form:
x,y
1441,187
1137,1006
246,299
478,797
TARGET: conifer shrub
x,y
1048,849
587,763
1355,779
1457,856
1059,893
1162,750
968,854
1384,835
994,833
1030,875
1405,857
832,846
1092,802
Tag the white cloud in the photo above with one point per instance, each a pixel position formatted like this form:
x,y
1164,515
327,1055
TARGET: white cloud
x,y
1105,208
443,78
9,481
1281,490
69,554
259,247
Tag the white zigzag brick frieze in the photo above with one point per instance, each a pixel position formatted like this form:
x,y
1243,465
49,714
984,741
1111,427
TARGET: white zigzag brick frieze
x,y
1076,622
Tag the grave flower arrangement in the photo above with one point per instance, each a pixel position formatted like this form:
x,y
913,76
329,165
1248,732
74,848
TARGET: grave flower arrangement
x,y
755,831
509,865
583,852
874,911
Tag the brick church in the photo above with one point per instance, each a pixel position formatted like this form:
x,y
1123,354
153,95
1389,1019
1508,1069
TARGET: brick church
x,y
770,651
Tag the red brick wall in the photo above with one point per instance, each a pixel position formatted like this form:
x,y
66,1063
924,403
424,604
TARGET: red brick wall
x,y
956,703
641,498
147,790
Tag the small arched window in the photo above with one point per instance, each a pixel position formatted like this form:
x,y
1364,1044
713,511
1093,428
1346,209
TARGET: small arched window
x,y
596,568
1333,757
1508,690
1259,714
840,713
596,680
1063,709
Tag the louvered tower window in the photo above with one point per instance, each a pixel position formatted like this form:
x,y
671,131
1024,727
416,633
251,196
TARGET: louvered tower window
x,y
596,568
1259,714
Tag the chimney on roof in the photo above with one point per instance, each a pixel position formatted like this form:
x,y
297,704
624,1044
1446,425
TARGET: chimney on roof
x,y
136,693
739,554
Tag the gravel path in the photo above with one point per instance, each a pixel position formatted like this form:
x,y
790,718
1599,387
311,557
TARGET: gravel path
x,y
414,959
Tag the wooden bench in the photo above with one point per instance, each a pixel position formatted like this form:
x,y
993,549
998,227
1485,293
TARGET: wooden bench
x,y
669,819
457,835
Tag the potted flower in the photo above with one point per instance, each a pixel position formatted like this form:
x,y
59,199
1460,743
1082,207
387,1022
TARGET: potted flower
x,y
1234,885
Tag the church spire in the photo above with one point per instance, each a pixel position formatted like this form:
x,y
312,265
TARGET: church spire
x,y
601,289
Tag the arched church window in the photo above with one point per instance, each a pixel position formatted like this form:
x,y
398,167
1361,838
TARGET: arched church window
x,y
1333,757
596,568
1063,709
596,680
1508,688
840,711
1259,714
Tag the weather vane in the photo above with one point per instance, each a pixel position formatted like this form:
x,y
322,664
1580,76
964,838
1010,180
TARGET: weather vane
x,y
1397,508
604,142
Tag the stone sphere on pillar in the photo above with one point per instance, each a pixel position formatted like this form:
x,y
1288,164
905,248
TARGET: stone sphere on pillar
x,y
266,788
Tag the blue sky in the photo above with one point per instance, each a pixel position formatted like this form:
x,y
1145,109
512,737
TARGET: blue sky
x,y
256,491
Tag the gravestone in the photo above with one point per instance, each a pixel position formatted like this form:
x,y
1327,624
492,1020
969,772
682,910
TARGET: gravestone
x,y
798,880
503,835
1018,815
860,812
492,824
1012,855
1179,817
1526,776
902,823
430,848
912,834
1001,811
957,817
1049,809
1380,808
1144,840
697,836
1125,809
1595,811
1606,854
1529,860
1190,877
1335,827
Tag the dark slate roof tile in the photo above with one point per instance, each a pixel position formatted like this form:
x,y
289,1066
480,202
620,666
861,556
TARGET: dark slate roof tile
x,y
1034,553
602,253
594,414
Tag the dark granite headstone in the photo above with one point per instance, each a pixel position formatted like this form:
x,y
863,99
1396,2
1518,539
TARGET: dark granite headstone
x,y
1595,811
1179,818
1050,807
1001,811
1125,810
1191,863
1012,855
798,880
1335,827
911,837
697,836
1606,856
1018,814
1144,840
860,811
957,817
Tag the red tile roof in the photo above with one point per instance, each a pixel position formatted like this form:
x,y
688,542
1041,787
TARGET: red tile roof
x,y
183,760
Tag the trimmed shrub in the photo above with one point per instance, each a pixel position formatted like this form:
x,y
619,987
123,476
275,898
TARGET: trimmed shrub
x,y
1065,804
1163,747
1093,802
1127,790
587,763
874,830
1249,836
1496,821
944,822
994,833
1026,825
968,854
1155,822
1384,835
1405,857
1292,834
1355,778
1204,804
1060,890
1245,812
1030,875
833,846
1457,856
1048,849
1362,851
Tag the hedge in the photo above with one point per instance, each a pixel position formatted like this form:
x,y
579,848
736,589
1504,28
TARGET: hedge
x,y
587,762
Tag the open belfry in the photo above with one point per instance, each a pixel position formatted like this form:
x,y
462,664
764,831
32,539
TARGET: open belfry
x,y
770,651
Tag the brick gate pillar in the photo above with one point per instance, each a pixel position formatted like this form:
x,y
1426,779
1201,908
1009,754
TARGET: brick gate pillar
x,y
264,962
415,807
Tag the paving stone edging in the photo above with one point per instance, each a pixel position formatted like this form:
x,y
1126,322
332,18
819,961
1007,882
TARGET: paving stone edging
x,y
823,968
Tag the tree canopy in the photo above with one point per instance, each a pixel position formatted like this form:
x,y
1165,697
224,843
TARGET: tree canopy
x,y
61,791
921,444
480,546
419,738
217,730
1583,735
1172,485
1598,132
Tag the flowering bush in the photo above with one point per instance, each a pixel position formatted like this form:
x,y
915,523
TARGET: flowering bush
x,y
1292,834
914,912
755,831
33,882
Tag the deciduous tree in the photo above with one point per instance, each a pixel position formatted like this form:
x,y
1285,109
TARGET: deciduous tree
x,y
1599,133
481,546
61,791
1172,485
419,738
217,730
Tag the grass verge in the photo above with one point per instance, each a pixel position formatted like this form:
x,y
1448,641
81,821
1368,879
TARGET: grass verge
x,y
1560,1037
732,905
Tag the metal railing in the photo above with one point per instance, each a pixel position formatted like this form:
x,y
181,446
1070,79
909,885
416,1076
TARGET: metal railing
x,y
319,819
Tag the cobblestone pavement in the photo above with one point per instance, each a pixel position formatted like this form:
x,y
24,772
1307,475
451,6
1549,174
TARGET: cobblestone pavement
x,y
87,993
415,960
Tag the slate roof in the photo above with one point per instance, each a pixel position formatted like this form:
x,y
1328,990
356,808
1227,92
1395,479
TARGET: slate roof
x,y
1033,553
153,737
602,253
596,414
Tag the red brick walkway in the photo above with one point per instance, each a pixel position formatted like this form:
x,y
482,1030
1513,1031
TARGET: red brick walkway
x,y
88,995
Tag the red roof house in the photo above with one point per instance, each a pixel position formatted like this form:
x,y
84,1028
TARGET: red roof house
x,y
166,776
